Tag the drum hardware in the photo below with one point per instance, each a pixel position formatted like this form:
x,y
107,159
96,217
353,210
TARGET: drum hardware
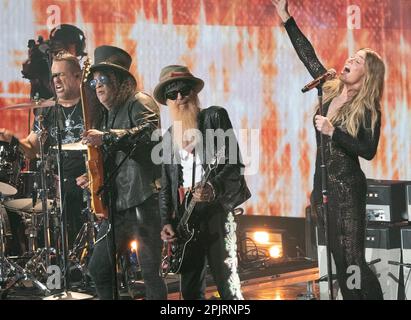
x,y
10,272
35,269
43,192
10,165
83,246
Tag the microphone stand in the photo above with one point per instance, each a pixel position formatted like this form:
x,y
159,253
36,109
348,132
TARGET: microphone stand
x,y
106,188
64,294
60,186
324,205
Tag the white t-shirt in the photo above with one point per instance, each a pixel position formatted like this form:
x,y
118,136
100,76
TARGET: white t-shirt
x,y
187,164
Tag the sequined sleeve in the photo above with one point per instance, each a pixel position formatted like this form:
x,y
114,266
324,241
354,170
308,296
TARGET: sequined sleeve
x,y
304,49
365,144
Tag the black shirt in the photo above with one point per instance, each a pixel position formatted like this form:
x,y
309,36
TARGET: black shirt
x,y
71,124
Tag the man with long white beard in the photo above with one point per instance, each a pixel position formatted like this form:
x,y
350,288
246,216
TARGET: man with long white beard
x,y
188,147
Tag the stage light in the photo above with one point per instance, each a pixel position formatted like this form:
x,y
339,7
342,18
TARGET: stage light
x,y
261,237
133,245
261,244
275,252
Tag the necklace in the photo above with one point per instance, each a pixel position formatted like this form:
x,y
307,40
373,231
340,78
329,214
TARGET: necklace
x,y
69,122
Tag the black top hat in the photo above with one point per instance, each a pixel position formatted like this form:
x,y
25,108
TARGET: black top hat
x,y
109,57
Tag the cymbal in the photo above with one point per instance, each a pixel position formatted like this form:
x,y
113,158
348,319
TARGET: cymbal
x,y
30,105
76,146
69,295
26,205
7,190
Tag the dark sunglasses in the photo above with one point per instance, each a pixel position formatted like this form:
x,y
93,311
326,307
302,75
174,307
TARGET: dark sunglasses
x,y
172,95
102,79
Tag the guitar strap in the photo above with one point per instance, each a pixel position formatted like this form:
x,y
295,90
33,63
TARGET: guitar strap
x,y
193,181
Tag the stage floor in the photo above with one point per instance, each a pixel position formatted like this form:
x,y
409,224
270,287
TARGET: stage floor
x,y
268,281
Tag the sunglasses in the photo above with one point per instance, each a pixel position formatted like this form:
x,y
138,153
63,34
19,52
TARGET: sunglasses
x,y
172,95
102,79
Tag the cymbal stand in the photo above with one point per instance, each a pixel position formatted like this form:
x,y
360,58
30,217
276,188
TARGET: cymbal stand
x,y
3,260
31,232
42,135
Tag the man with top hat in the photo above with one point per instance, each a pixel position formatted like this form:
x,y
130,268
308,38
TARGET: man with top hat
x,y
127,126
195,136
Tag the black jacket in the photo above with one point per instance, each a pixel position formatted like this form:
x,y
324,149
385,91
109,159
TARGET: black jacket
x,y
227,179
138,178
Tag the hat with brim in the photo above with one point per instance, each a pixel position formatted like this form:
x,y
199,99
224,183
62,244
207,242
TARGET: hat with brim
x,y
114,58
174,73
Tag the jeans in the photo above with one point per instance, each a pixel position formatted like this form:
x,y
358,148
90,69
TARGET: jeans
x,y
141,223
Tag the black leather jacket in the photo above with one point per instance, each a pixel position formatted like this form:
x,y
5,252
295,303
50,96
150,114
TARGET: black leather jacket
x,y
127,126
227,179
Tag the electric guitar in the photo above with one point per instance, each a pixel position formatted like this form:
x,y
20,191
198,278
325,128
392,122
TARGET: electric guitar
x,y
94,155
173,251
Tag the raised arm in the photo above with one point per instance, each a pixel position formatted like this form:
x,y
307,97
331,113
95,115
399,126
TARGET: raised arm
x,y
302,45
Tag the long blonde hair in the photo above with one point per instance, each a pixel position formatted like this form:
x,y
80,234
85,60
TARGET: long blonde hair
x,y
351,115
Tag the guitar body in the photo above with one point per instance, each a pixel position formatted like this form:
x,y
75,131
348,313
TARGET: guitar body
x,y
94,155
176,250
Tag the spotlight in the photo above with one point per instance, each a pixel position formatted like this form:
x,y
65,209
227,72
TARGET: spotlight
x,y
260,244
133,245
275,252
261,237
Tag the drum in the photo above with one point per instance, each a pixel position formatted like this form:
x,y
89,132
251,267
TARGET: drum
x,y
29,183
27,195
5,229
12,232
10,165
26,205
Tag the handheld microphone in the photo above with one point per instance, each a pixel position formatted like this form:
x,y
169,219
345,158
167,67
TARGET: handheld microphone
x,y
330,74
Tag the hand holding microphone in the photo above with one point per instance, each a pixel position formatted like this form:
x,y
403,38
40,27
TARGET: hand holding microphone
x,y
329,75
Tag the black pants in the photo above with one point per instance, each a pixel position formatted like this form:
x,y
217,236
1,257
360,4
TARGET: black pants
x,y
216,243
347,225
73,204
141,223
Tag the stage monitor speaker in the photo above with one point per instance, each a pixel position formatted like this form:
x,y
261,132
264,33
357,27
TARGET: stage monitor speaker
x,y
406,258
383,247
408,195
387,200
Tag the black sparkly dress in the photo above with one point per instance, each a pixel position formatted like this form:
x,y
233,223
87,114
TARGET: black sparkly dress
x,y
346,185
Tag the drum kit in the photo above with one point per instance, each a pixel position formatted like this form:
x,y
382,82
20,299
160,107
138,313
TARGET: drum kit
x,y
30,213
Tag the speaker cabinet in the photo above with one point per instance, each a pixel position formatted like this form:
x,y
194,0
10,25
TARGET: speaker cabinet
x,y
406,257
383,249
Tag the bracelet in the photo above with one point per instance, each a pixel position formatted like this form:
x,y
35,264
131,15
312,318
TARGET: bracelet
x,y
109,139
